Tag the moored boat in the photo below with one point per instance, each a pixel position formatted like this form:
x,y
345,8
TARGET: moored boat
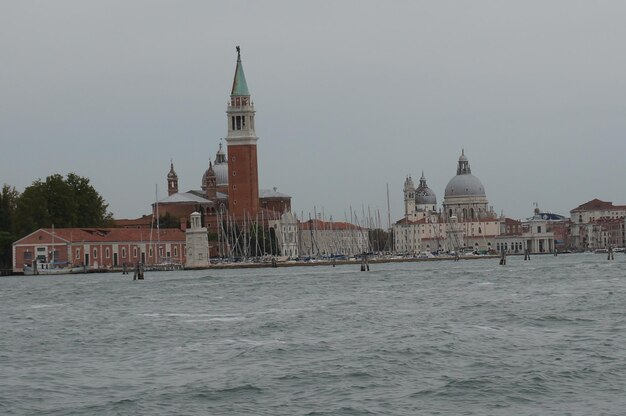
x,y
47,268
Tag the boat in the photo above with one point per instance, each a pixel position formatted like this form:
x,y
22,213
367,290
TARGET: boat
x,y
47,268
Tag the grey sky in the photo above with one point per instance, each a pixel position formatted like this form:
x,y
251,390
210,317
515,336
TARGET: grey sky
x,y
349,96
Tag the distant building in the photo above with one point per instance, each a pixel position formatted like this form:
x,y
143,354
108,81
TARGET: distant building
x,y
597,224
99,247
466,223
327,238
285,230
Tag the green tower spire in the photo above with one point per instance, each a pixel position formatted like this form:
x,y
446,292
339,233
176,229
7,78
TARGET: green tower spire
x,y
240,87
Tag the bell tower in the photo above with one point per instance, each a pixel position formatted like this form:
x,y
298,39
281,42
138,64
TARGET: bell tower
x,y
409,197
172,180
243,178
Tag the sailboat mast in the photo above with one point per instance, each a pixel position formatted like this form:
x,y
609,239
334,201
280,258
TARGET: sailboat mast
x,y
388,219
156,198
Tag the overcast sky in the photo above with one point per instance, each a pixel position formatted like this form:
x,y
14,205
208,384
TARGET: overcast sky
x,y
349,96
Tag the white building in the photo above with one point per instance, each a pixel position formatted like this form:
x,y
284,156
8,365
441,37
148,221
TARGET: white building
x,y
465,223
597,224
285,231
328,238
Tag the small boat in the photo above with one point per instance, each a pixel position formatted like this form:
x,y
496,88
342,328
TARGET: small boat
x,y
42,267
601,250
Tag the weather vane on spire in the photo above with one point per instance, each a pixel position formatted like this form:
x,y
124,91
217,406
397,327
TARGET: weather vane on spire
x,y
238,51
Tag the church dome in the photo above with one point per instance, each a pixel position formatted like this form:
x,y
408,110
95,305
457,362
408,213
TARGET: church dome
x,y
221,173
423,194
464,183
220,169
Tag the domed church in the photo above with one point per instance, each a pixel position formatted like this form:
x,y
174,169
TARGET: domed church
x,y
229,186
465,196
465,222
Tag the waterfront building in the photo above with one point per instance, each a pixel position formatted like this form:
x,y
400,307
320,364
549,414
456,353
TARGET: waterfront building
x,y
317,238
466,223
284,231
597,224
97,248
328,238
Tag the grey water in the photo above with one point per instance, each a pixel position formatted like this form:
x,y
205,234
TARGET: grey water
x,y
539,337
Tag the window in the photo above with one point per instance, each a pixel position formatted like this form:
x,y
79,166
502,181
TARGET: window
x,y
107,253
134,251
77,254
150,252
28,255
234,173
539,229
123,252
95,253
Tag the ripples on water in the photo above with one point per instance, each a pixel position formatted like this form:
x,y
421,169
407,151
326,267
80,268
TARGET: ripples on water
x,y
473,338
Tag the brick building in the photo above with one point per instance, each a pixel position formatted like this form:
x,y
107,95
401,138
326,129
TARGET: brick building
x,y
99,247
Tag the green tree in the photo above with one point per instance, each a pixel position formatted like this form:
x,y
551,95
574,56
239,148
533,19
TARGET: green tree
x,y
168,221
69,202
8,203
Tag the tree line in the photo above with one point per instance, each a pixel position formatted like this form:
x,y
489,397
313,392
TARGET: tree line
x,y
69,201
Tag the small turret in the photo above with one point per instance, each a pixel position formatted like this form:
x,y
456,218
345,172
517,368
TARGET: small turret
x,y
210,182
172,180
464,167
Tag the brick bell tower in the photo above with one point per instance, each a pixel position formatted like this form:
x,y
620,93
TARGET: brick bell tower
x,y
243,178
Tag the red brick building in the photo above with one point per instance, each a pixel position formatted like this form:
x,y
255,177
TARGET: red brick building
x,y
100,247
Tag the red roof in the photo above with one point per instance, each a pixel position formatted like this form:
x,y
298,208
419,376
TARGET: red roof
x,y
408,221
596,204
328,225
102,235
142,222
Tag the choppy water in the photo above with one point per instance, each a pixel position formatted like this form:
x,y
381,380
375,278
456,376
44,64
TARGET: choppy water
x,y
545,337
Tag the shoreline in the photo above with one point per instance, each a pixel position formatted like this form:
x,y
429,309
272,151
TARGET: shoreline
x,y
241,265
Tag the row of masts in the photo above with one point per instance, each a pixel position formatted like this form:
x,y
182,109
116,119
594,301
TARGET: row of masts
x,y
252,237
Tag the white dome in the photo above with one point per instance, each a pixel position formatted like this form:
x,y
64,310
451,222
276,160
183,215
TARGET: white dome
x,y
221,174
423,194
465,185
